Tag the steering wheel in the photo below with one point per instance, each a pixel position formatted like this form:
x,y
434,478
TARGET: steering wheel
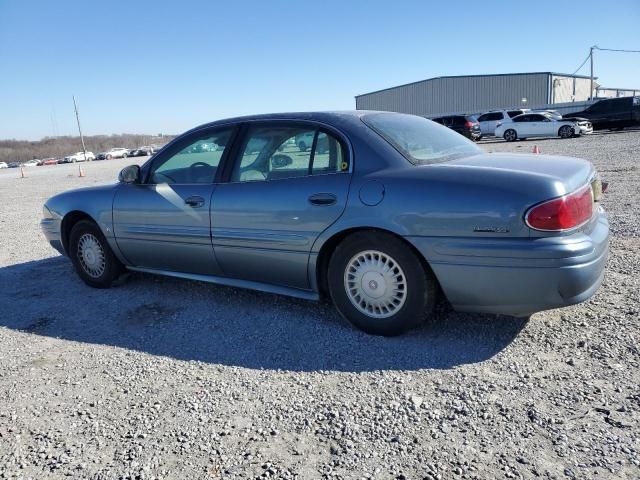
x,y
193,174
199,164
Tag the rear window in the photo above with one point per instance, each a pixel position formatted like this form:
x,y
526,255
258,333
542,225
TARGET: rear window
x,y
421,141
513,113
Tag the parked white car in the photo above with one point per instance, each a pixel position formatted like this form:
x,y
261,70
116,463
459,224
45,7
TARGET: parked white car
x,y
78,157
536,125
488,121
114,153
4,165
31,163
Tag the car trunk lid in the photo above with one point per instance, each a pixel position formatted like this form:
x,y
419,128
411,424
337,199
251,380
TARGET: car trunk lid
x,y
566,173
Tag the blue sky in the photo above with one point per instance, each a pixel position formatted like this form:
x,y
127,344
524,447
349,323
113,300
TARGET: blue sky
x,y
150,66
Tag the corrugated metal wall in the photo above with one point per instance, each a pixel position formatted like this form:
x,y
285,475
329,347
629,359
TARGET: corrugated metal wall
x,y
459,94
570,89
616,92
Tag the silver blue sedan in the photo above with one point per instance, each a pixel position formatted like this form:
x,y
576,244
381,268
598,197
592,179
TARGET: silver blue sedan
x,y
381,212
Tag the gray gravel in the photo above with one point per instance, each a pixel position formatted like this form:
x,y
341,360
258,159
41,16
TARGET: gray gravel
x,y
163,378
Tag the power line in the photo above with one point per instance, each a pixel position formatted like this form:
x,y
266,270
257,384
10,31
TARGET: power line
x,y
582,64
617,50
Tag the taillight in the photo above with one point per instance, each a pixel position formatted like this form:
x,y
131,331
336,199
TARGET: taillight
x,y
468,124
562,213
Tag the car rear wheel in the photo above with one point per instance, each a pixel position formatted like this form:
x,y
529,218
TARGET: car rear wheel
x,y
108,157
566,132
124,155
91,255
510,135
378,284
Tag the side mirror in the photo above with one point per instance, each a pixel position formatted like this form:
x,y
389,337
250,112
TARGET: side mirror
x,y
130,174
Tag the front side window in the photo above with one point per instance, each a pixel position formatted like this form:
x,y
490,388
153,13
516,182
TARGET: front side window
x,y
277,152
419,140
196,162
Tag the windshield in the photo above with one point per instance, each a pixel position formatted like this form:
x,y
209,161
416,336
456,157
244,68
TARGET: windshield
x,y
421,141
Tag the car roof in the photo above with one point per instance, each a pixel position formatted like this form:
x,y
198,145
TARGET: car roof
x,y
323,117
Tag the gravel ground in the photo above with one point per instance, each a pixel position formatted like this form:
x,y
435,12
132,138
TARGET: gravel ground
x,y
163,378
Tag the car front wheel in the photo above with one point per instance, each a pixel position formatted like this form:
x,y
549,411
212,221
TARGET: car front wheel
x,y
124,155
91,255
379,284
566,132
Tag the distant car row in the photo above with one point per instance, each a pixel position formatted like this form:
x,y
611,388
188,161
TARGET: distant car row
x,y
514,124
87,157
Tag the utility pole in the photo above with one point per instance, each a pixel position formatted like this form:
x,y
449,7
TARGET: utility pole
x,y
84,150
591,76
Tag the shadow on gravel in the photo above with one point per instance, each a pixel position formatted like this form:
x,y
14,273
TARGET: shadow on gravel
x,y
220,325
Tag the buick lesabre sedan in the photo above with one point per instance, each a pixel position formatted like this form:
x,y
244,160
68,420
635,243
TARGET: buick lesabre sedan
x,y
392,211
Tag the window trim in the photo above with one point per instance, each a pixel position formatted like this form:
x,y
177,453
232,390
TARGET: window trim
x,y
180,143
235,154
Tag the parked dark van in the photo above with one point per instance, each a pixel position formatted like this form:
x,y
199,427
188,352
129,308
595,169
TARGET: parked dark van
x,y
466,125
612,113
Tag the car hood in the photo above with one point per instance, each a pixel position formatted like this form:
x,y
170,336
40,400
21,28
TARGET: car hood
x,y
566,173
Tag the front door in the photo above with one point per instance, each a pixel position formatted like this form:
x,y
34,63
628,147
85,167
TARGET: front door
x,y
279,199
164,222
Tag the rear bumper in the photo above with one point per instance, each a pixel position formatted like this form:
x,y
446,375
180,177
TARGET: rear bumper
x,y
518,276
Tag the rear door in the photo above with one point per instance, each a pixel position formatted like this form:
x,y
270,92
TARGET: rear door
x,y
164,223
278,200
488,122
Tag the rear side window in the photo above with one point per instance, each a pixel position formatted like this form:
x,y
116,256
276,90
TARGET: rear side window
x,y
513,113
495,116
277,152
419,140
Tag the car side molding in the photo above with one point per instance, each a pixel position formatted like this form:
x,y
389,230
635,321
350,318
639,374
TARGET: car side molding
x,y
233,282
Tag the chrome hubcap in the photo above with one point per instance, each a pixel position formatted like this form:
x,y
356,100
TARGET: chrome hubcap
x,y
91,255
375,284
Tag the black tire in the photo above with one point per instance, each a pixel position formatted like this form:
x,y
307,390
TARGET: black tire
x,y
112,266
510,135
566,131
124,155
108,157
420,284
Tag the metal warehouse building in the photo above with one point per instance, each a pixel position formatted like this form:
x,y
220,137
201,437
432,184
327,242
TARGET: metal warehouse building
x,y
478,93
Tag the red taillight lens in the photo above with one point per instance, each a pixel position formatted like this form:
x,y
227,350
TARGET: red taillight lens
x,y
468,124
562,213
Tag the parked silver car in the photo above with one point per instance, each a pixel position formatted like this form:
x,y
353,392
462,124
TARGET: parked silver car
x,y
489,121
395,210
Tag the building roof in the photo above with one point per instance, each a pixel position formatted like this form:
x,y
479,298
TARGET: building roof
x,y
472,76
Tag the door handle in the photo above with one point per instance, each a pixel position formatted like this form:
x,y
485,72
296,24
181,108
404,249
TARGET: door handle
x,y
195,201
322,199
